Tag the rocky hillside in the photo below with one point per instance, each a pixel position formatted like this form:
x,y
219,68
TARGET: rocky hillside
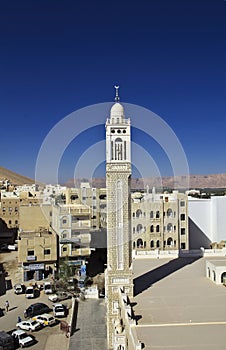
x,y
14,178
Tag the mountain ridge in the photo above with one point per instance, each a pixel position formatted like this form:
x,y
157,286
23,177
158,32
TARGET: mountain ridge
x,y
195,181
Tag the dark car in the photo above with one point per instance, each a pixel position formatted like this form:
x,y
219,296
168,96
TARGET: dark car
x,y
6,341
36,309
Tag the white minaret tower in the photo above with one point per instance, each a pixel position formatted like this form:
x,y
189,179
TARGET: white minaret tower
x,y
119,243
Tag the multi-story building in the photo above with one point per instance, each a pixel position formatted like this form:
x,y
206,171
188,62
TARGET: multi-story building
x,y
72,223
9,208
37,253
160,221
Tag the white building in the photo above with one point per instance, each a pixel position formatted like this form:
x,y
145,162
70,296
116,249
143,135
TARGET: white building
x,y
207,221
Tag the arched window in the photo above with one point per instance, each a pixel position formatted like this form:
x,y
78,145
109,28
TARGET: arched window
x,y
138,213
144,244
139,228
223,277
157,228
169,213
134,230
158,244
118,149
152,244
139,243
152,228
151,214
157,215
169,227
170,242
133,215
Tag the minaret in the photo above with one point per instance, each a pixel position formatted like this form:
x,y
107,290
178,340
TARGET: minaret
x,y
119,243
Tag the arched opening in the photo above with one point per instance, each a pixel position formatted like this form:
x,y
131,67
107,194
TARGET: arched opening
x,y
152,244
158,244
223,277
157,215
138,213
157,228
169,227
139,243
169,213
152,228
151,214
169,242
139,228
214,276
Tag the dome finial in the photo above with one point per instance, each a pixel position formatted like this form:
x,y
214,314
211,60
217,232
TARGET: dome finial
x,y
117,98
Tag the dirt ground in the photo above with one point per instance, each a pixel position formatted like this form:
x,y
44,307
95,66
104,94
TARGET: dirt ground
x,y
10,265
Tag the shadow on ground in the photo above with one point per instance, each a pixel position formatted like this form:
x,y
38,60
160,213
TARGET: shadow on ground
x,y
145,281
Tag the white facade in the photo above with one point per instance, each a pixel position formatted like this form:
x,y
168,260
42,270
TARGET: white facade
x,y
207,220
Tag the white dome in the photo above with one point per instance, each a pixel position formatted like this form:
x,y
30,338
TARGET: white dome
x,y
117,109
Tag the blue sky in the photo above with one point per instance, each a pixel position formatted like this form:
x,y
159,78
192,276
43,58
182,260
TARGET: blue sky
x,y
167,56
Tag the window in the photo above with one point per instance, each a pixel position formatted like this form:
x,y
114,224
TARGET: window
x,y
183,245
151,215
157,244
16,222
182,231
182,217
157,228
152,244
169,213
47,251
64,249
182,203
152,228
157,215
138,213
64,221
30,252
169,227
10,222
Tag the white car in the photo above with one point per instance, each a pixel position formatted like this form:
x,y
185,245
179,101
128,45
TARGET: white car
x,y
60,295
22,338
59,310
45,319
30,292
29,325
48,288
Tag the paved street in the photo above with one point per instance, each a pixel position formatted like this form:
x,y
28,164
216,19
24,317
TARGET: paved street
x,y
18,303
91,326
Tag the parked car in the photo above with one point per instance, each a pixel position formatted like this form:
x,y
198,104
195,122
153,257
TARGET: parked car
x,y
6,341
36,309
30,292
29,325
48,288
59,310
19,288
22,339
60,295
45,319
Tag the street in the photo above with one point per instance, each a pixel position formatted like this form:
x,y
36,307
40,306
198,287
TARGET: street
x,y
17,305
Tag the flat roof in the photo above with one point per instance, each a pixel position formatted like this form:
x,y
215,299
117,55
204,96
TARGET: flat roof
x,y
177,307
220,262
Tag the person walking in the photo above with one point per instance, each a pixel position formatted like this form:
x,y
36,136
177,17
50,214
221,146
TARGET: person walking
x,y
19,319
7,306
